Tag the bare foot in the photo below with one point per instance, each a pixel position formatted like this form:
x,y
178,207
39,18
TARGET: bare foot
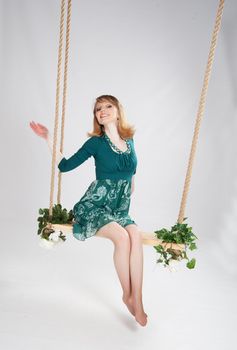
x,y
129,302
138,305
140,315
141,318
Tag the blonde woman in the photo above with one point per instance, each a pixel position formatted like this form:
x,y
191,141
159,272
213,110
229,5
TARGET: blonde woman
x,y
103,209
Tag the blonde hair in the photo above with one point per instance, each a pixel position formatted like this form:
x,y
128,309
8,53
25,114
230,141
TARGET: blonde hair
x,y
125,130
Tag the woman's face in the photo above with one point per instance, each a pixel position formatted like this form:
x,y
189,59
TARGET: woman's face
x,y
106,113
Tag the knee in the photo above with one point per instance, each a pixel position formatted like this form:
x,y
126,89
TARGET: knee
x,y
122,238
135,236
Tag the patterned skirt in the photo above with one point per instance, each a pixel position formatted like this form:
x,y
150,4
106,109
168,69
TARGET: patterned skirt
x,y
104,201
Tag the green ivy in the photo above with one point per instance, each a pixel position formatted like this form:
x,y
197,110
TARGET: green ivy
x,y
180,233
59,216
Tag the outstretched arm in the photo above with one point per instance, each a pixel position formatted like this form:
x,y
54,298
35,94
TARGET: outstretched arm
x,y
43,132
88,149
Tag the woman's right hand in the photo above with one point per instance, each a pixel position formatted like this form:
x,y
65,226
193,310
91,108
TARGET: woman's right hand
x,y
40,130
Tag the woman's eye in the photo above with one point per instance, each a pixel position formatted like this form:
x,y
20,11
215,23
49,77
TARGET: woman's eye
x,y
98,109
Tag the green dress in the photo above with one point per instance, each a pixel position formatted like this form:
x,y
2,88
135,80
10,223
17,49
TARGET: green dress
x,y
107,198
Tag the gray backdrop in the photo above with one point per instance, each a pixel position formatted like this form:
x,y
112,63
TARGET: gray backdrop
x,y
151,55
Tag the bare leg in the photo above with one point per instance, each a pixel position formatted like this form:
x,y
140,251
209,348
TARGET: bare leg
x,y
136,271
121,262
121,240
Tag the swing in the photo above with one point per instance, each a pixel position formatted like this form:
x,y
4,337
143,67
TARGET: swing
x,y
157,239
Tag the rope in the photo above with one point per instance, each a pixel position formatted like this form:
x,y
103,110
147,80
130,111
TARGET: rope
x,y
201,109
57,106
64,93
56,120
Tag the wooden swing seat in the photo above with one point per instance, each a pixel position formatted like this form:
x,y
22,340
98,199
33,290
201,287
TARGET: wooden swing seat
x,y
147,237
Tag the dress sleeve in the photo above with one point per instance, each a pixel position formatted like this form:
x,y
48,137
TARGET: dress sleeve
x,y
87,150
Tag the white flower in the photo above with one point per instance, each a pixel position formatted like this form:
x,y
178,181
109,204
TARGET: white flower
x,y
54,236
53,239
44,243
172,265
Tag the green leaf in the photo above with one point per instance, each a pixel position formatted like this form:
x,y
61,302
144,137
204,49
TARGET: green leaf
x,y
159,248
191,264
192,246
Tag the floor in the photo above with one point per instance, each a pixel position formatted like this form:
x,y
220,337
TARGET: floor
x,y
70,297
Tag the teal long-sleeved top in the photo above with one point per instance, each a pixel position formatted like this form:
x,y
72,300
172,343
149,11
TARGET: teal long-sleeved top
x,y
108,163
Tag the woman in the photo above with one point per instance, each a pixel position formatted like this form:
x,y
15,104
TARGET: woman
x,y
103,209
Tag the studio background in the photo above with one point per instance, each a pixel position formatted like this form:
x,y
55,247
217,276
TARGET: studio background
x,y
152,56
